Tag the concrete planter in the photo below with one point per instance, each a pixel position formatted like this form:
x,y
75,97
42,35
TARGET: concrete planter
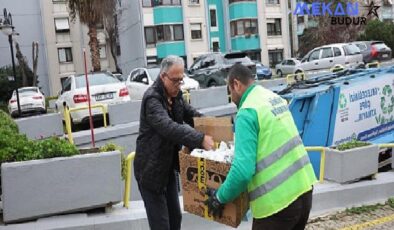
x,y
350,165
39,188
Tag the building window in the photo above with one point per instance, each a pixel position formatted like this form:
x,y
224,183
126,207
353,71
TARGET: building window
x,y
151,60
178,32
65,55
254,55
274,27
103,52
215,46
272,1
195,29
212,13
147,3
194,2
275,57
62,25
169,33
167,2
118,51
244,27
300,19
150,36
232,1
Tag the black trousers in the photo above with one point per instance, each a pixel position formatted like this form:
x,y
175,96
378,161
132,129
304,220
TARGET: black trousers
x,y
163,209
294,217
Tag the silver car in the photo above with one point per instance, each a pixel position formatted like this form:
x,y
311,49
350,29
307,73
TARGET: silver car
x,y
326,57
287,66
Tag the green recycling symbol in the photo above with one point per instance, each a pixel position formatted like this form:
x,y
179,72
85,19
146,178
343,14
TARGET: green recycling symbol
x,y
387,100
342,101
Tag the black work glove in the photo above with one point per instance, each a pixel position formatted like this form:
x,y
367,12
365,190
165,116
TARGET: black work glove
x,y
215,208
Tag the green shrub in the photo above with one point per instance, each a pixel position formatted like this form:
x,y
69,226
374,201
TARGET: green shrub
x,y
113,147
7,122
17,147
351,145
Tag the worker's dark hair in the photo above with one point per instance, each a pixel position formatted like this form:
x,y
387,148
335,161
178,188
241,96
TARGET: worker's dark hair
x,y
241,73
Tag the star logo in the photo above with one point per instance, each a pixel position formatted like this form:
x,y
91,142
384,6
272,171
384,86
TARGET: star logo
x,y
373,9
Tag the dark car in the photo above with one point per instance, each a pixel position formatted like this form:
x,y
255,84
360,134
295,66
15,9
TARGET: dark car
x,y
374,51
212,69
262,72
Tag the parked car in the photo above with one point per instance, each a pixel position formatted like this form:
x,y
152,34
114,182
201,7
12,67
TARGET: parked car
x,y
287,66
325,57
31,101
140,79
262,72
374,51
104,89
212,69
120,77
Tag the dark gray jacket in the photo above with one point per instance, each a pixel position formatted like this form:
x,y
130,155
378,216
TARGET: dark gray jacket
x,y
162,133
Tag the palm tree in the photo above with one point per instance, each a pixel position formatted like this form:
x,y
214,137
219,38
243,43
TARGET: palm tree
x,y
91,12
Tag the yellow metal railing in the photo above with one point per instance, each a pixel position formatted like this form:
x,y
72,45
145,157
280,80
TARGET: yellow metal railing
x,y
67,117
375,64
127,183
292,78
322,151
67,120
186,96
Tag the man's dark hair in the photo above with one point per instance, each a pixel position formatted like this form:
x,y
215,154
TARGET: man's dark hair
x,y
241,73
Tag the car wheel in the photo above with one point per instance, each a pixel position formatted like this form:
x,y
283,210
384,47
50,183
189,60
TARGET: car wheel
x,y
279,73
212,83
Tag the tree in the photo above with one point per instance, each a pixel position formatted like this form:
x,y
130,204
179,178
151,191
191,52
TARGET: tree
x,y
23,66
325,33
35,62
90,12
111,27
380,31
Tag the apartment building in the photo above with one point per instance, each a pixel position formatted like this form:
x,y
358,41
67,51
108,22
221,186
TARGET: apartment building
x,y
65,42
61,41
189,28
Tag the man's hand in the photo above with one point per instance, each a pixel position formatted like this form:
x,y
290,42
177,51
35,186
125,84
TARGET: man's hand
x,y
214,206
208,142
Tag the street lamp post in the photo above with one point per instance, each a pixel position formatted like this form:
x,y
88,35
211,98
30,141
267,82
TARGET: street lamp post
x,y
7,28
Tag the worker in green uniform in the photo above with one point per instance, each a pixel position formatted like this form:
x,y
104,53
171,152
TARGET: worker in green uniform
x,y
270,160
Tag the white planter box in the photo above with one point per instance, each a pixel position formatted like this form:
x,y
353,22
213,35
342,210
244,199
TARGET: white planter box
x,y
350,165
39,188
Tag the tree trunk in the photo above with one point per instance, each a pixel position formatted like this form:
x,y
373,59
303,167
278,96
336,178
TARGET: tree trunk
x,y
35,62
22,64
112,45
94,47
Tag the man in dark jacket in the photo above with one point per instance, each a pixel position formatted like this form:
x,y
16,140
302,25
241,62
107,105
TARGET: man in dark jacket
x,y
162,133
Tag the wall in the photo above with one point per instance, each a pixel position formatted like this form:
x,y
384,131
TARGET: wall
x,y
26,16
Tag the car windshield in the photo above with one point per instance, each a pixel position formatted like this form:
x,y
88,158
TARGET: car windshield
x,y
95,79
243,60
351,49
153,73
27,91
380,45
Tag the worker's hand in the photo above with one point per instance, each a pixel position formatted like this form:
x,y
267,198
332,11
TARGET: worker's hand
x,y
208,142
215,208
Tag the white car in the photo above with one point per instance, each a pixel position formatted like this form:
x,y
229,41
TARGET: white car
x,y
287,66
104,89
31,101
140,79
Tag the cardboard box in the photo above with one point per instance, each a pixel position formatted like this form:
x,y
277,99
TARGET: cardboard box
x,y
197,174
